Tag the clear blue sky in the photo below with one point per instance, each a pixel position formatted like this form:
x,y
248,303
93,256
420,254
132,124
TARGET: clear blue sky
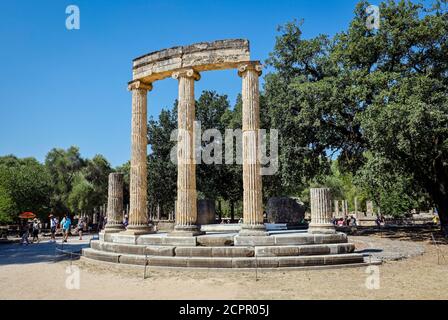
x,y
60,88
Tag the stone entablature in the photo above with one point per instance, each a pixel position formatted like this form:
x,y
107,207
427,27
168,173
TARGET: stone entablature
x,y
203,56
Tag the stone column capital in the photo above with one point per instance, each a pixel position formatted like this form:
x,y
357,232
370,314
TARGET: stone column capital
x,y
139,85
186,73
250,65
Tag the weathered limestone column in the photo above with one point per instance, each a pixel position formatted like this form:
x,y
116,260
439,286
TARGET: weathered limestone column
x,y
253,224
345,203
369,208
186,205
336,208
321,211
115,204
138,220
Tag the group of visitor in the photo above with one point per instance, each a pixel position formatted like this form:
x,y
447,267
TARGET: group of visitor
x,y
30,227
65,225
348,221
34,228
380,221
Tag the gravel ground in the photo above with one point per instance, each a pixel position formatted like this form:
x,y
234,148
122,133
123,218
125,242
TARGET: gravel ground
x,y
33,273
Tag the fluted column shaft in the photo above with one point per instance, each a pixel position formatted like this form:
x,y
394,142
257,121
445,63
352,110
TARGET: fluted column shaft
x,y
253,223
138,220
321,212
186,205
336,208
115,203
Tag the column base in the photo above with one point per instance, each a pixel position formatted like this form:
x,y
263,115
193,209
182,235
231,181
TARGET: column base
x,y
139,230
253,230
113,228
186,231
324,228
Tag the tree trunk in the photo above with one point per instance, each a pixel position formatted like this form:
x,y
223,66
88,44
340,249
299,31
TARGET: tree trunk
x,y
232,211
441,202
439,194
219,211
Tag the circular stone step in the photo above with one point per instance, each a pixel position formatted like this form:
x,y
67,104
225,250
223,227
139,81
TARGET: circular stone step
x,y
282,249
225,262
220,240
232,252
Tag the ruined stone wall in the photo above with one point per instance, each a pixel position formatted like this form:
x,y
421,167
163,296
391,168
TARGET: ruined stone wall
x,y
285,210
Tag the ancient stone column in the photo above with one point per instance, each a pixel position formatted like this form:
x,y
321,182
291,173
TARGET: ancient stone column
x,y
186,205
336,208
253,223
115,204
345,203
321,211
138,220
369,208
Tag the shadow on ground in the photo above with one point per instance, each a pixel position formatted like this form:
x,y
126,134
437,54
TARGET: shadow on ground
x,y
430,234
39,252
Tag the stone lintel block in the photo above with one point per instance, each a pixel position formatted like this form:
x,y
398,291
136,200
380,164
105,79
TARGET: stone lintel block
x,y
133,259
217,55
237,46
161,251
254,241
193,251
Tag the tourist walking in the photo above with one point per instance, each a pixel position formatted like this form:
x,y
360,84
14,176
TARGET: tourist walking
x,y
25,234
35,231
53,226
80,227
65,223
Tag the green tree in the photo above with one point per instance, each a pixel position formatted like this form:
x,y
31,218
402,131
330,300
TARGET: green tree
x,y
82,197
212,178
382,91
25,185
162,172
63,166
7,206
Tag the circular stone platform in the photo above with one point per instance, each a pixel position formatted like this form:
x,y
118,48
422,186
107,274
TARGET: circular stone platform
x,y
279,249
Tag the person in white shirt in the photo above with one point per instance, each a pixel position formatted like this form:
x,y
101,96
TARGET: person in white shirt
x,y
53,226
